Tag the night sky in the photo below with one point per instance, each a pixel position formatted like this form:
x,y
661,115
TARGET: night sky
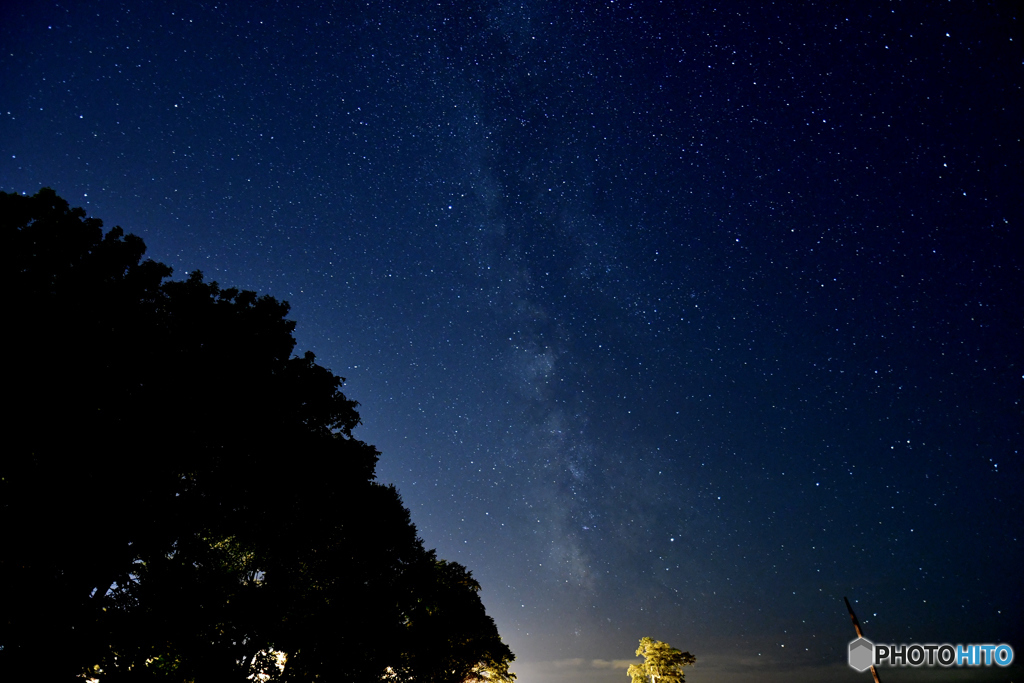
x,y
668,319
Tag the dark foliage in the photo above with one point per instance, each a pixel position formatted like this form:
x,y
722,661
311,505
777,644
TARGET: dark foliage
x,y
180,495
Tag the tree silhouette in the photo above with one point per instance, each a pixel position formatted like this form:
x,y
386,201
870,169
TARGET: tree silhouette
x,y
182,497
662,663
447,639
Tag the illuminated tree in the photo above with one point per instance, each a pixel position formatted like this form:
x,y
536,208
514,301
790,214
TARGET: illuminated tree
x,y
662,663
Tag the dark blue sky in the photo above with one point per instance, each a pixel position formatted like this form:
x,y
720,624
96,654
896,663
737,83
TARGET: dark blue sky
x,y
669,319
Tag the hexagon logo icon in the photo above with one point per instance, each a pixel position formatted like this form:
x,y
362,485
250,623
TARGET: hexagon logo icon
x,y
862,654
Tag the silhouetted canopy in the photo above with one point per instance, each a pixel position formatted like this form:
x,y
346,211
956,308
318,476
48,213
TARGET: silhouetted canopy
x,y
183,498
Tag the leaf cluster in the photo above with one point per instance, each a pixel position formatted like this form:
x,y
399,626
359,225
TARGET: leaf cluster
x,y
662,663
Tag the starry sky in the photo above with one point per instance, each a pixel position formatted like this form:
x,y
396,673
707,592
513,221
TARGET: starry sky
x,y
680,320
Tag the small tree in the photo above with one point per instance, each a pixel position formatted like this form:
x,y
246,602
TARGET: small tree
x,y
662,663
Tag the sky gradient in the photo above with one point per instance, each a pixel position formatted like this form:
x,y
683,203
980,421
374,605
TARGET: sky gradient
x,y
678,320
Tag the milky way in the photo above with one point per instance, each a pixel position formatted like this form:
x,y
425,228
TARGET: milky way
x,y
673,322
